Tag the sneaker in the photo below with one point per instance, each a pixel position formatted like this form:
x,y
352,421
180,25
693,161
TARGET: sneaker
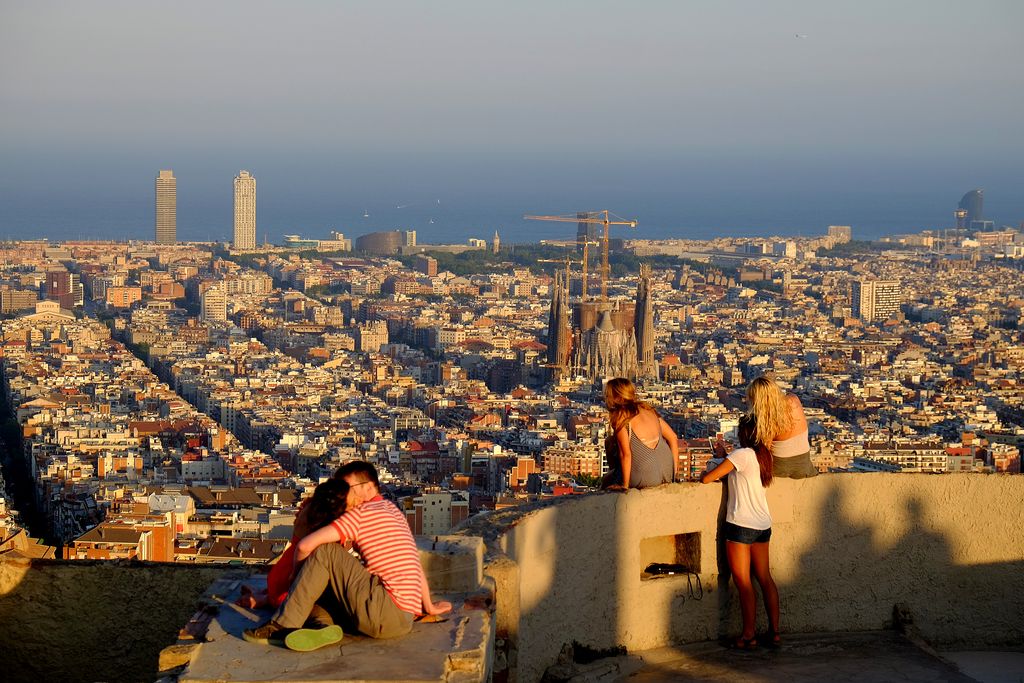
x,y
308,639
270,633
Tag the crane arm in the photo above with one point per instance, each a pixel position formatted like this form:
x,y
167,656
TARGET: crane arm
x,y
571,219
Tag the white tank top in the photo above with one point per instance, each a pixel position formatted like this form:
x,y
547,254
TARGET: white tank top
x,y
794,445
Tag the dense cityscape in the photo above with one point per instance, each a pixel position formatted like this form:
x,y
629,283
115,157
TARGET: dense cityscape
x,y
511,342
176,401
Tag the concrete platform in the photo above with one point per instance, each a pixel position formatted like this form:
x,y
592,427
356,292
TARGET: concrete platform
x,y
456,650
882,656
989,667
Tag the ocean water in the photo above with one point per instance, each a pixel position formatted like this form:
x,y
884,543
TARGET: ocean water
x,y
449,203
455,222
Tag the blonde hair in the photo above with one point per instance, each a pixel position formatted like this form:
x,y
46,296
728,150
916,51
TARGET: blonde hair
x,y
623,405
767,405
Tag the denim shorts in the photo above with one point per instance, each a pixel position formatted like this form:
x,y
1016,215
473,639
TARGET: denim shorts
x,y
741,534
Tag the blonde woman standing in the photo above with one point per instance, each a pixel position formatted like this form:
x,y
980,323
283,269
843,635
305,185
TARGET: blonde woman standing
x,y
647,446
782,426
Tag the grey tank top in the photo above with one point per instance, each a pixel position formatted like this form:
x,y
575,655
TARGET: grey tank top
x,y
649,466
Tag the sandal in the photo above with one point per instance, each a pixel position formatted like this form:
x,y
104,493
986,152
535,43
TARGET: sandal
x,y
742,643
774,639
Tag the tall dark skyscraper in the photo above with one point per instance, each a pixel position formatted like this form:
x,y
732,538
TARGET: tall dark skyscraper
x,y
973,203
558,326
586,232
643,326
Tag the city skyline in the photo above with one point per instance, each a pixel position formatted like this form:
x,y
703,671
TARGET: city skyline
x,y
794,230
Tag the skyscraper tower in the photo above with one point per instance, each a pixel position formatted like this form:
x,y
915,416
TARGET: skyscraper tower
x,y
166,208
874,300
496,244
558,327
643,325
586,232
974,204
245,211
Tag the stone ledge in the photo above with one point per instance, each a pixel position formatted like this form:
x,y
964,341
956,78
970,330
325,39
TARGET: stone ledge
x,y
459,649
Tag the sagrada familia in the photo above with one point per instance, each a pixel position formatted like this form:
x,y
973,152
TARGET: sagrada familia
x,y
599,339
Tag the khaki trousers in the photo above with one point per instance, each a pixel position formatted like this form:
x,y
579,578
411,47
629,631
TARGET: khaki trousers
x,y
334,578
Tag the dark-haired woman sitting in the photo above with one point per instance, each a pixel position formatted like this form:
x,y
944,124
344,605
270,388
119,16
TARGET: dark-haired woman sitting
x,y
325,505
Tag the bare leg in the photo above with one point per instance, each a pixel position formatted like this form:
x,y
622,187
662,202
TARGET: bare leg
x,y
769,592
739,564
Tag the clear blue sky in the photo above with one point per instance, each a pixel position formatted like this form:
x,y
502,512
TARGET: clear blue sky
x,y
527,106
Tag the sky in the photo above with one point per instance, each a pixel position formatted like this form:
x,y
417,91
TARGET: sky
x,y
691,116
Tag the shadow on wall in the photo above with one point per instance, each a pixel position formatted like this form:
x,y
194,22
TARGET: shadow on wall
x,y
559,589
862,554
956,561
864,559
845,550
92,620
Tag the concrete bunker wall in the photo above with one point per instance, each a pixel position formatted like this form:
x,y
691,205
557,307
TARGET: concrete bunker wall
x,y
845,549
94,620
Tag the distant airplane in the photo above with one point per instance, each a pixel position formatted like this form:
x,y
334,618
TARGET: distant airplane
x,y
801,35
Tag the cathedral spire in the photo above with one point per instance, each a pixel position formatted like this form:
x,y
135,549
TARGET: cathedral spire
x,y
643,325
558,326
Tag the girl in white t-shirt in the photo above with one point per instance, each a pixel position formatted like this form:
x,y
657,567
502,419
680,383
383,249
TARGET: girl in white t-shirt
x,y
748,527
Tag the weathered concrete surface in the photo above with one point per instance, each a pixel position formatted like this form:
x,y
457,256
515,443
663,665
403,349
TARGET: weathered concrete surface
x,y
845,549
989,667
453,564
93,621
836,658
456,650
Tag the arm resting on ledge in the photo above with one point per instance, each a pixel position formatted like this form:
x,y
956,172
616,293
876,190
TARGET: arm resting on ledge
x,y
430,607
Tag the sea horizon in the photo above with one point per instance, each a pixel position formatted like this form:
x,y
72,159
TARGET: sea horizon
x,y
444,222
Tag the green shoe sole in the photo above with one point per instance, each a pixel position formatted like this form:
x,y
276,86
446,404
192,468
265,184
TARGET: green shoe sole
x,y
309,639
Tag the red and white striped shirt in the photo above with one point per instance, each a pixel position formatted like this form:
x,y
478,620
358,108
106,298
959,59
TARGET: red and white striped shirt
x,y
381,534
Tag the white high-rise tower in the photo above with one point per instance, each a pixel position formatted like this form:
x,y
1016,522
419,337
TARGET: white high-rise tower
x,y
245,211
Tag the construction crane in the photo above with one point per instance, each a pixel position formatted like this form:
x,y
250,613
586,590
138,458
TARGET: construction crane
x,y
593,217
566,261
586,259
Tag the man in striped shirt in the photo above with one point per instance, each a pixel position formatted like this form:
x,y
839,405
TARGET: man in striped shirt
x,y
381,599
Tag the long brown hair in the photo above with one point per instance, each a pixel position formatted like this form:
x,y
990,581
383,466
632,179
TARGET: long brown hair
x,y
623,405
748,439
327,503
767,404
